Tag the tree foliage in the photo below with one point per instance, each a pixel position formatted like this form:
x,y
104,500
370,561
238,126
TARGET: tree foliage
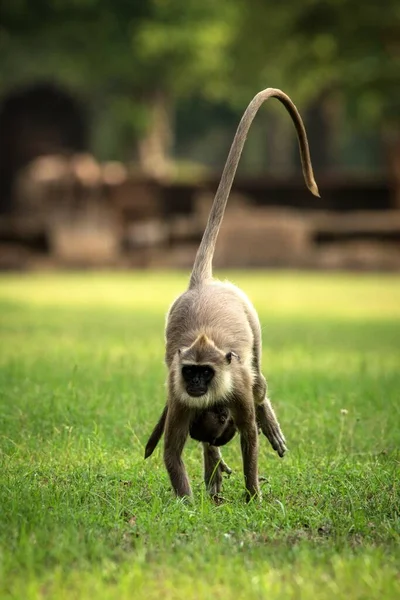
x,y
177,45
120,52
317,45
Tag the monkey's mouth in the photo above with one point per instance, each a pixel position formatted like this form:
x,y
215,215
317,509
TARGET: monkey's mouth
x,y
196,393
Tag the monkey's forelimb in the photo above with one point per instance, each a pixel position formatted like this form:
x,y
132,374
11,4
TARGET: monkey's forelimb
x,y
175,436
245,419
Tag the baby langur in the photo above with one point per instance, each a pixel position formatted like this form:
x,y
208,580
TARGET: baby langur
x,y
213,345
214,426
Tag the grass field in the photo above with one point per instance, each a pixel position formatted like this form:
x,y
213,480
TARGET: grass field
x,y
82,515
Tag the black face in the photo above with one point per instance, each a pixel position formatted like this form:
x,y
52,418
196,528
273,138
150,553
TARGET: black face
x,y
197,379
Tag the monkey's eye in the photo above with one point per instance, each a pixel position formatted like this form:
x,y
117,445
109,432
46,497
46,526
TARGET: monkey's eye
x,y
208,373
187,371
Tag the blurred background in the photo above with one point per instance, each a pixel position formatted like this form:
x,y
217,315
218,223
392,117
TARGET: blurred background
x,y
116,117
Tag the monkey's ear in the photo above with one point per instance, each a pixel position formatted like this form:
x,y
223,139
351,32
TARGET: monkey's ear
x,y
230,355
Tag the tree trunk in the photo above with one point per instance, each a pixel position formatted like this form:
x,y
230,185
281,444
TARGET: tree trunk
x,y
154,148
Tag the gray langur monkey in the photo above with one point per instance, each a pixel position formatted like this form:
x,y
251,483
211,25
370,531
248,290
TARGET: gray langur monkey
x,y
213,348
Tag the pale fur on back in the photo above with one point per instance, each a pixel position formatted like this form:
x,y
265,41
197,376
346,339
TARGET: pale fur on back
x,y
221,311
217,309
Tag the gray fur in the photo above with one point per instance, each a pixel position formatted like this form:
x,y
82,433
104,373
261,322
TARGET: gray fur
x,y
214,323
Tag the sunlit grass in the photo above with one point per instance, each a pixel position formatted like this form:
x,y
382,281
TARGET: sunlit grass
x,y
81,385
349,294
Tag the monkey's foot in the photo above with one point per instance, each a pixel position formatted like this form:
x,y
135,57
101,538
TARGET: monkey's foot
x,y
218,499
267,421
255,497
185,500
275,438
278,442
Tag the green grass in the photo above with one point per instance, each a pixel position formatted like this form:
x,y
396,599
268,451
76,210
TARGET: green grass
x,y
82,515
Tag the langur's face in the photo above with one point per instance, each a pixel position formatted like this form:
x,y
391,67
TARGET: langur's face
x,y
197,379
202,375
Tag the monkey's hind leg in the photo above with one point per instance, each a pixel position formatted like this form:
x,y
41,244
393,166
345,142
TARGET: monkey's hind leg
x,y
214,467
270,427
266,417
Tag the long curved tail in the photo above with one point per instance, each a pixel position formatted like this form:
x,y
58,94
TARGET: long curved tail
x,y
202,268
